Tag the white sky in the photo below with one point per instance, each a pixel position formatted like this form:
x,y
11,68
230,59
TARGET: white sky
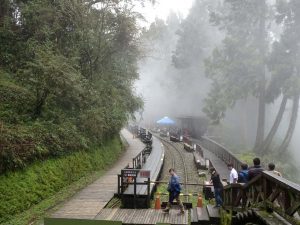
x,y
162,8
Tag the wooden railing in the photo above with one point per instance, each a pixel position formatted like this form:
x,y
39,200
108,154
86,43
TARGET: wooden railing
x,y
220,151
141,158
266,190
128,177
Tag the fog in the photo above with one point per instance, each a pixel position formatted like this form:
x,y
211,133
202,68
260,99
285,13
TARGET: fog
x,y
206,63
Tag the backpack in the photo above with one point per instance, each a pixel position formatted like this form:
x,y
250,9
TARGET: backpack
x,y
243,176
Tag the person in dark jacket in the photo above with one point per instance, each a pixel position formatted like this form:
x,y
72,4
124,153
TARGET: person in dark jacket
x,y
174,190
218,187
256,169
243,176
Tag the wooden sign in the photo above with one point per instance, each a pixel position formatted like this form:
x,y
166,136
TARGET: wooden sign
x,y
129,173
145,173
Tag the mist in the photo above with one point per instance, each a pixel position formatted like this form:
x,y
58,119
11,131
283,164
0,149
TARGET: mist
x,y
212,63
167,88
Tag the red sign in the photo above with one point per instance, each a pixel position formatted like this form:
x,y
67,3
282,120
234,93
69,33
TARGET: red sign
x,y
145,173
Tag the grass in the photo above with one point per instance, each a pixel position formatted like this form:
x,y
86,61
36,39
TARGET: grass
x,y
162,190
27,195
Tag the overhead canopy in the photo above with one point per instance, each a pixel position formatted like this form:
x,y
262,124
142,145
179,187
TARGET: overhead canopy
x,y
165,121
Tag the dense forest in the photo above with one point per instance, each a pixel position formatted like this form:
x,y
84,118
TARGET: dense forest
x,y
67,70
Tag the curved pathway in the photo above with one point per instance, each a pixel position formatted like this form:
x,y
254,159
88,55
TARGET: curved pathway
x,y
87,203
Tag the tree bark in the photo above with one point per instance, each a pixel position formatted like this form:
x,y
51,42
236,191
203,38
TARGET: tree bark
x,y
293,120
4,9
260,119
262,83
269,138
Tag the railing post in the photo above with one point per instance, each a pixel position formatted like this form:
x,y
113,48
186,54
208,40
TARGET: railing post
x,y
119,192
287,200
265,191
134,194
148,191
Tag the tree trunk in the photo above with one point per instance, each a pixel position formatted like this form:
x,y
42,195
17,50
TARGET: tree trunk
x,y
260,119
269,138
293,120
262,83
4,10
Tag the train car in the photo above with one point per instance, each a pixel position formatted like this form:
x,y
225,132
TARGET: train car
x,y
194,127
175,137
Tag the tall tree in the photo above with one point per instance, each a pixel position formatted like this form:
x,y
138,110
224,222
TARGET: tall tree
x,y
238,67
284,61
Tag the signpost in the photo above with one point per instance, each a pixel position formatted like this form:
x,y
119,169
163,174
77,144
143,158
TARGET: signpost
x,y
129,172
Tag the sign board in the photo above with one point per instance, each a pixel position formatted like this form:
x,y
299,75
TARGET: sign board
x,y
129,173
145,173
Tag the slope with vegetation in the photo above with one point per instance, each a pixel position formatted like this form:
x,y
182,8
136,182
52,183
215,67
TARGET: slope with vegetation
x,y
67,70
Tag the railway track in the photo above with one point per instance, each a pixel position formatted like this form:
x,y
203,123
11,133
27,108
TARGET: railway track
x,y
183,162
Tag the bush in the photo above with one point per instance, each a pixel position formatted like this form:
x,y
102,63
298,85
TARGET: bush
x,y
22,144
22,189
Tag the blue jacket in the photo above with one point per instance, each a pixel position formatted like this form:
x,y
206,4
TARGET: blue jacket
x,y
243,176
174,185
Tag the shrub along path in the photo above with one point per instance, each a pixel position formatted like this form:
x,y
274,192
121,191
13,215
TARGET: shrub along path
x,y
89,201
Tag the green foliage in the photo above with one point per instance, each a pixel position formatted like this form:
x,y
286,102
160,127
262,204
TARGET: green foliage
x,y
67,70
22,189
226,217
247,157
237,66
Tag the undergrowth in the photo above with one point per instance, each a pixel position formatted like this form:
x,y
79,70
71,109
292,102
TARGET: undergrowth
x,y
21,190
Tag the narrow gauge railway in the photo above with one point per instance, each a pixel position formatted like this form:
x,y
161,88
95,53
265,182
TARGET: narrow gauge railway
x,y
183,162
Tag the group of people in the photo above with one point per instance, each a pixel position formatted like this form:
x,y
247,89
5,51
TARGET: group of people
x,y
243,176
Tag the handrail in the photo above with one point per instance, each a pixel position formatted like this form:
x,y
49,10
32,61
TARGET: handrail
x,y
140,159
266,190
221,152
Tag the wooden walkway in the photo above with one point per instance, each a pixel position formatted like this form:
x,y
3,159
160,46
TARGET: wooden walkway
x,y
88,202
143,216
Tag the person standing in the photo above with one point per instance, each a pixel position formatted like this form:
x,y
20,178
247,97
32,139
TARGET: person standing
x,y
174,190
256,169
243,174
233,176
272,169
218,187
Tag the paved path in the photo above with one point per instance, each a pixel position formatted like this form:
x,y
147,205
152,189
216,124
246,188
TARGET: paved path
x,y
88,202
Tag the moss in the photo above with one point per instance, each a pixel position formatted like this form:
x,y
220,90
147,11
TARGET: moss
x,y
226,217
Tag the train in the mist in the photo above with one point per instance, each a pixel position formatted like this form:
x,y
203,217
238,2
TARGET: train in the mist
x,y
186,127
